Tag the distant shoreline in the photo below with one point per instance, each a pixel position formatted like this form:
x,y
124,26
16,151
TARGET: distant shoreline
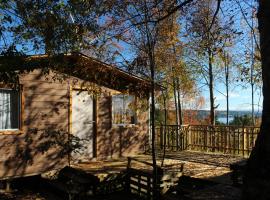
x,y
223,114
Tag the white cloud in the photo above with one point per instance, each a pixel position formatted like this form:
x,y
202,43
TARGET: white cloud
x,y
244,106
234,95
221,97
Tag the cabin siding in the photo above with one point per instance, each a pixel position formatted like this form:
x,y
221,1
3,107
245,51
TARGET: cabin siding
x,y
44,113
116,141
45,125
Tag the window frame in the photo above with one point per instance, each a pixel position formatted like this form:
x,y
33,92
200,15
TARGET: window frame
x,y
20,110
135,111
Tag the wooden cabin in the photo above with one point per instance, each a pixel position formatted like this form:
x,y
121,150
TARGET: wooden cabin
x,y
69,108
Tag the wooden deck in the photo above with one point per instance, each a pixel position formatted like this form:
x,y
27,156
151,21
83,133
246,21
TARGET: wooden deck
x,y
208,166
209,175
103,169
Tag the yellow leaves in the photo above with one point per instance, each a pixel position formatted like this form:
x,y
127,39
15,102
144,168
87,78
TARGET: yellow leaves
x,y
168,48
168,55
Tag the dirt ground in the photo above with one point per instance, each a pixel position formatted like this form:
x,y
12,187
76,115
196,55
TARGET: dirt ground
x,y
209,178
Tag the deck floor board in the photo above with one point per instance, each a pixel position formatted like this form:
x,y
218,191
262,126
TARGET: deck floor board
x,y
208,166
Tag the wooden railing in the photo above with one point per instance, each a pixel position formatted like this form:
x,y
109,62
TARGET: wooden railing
x,y
172,137
234,140
140,180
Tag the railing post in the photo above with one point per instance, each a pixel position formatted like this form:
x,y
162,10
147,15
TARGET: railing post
x,y
177,136
161,137
172,138
185,137
205,141
229,140
234,140
243,142
182,138
189,137
227,128
246,135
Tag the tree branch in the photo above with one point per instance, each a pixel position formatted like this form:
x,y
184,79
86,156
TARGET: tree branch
x,y
215,15
175,9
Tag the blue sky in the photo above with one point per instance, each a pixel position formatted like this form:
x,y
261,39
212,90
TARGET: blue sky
x,y
240,96
239,99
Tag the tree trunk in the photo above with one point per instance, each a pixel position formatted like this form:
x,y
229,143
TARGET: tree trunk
x,y
155,172
252,102
251,73
211,89
227,102
152,114
165,127
175,101
257,174
180,119
227,87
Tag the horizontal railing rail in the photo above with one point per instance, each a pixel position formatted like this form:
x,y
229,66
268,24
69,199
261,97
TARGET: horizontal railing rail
x,y
234,140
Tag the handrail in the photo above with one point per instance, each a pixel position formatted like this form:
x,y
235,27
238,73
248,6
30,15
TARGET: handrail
x,y
231,139
137,160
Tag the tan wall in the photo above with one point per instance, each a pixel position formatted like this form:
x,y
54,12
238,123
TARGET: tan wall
x,y
44,113
45,110
115,141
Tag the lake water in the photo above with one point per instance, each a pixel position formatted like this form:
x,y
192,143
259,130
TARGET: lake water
x,y
224,119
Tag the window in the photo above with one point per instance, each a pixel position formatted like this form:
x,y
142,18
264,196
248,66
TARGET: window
x,y
123,109
9,109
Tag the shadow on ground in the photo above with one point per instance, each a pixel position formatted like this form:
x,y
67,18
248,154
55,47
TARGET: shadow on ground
x,y
188,188
205,177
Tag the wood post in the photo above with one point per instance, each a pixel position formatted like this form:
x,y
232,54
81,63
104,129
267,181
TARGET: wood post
x,y
235,140
189,137
245,141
